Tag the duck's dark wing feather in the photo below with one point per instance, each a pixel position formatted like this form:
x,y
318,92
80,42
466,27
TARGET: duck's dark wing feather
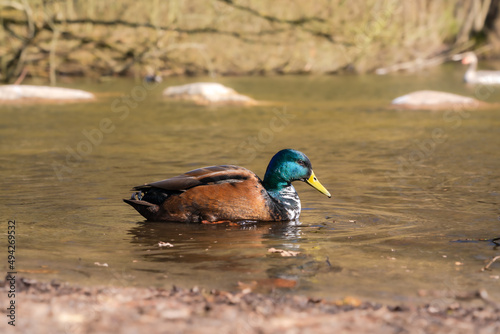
x,y
201,176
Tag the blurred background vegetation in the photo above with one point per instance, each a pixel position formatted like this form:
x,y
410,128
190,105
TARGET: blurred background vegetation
x,y
52,38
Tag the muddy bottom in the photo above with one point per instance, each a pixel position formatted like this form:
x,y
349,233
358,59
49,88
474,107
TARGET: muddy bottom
x,y
61,308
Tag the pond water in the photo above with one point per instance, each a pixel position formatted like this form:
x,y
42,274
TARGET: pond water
x,y
414,193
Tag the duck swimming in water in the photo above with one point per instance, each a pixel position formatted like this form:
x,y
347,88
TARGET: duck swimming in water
x,y
229,193
478,77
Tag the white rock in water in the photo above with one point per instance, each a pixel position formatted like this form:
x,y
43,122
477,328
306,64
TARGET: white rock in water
x,y
26,92
207,93
429,99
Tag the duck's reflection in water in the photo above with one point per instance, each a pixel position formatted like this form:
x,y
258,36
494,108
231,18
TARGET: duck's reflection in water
x,y
228,250
200,242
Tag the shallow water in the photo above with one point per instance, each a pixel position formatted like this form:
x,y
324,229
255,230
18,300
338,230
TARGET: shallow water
x,y
413,191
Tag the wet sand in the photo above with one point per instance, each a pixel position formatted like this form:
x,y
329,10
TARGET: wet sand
x,y
63,308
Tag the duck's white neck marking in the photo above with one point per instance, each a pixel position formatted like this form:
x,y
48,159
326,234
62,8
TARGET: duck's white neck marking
x,y
291,202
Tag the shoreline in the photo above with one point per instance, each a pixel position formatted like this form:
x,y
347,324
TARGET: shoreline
x,y
226,37
67,308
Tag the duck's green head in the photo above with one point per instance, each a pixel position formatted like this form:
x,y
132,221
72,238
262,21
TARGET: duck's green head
x,y
287,166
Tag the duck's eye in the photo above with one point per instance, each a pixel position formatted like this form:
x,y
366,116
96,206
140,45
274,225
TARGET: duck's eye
x,y
301,162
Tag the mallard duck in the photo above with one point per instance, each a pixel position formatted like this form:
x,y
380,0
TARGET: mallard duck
x,y
229,193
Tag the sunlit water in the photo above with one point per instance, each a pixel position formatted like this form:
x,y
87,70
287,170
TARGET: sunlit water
x,y
406,186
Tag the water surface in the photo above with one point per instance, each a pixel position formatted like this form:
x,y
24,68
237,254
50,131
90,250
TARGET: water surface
x,y
406,186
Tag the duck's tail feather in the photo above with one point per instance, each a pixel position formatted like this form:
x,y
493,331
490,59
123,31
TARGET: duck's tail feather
x,y
146,209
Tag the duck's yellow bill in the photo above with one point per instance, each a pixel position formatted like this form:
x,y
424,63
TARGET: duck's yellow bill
x,y
313,181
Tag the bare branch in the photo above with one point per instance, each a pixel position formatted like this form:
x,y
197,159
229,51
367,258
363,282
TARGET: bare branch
x,y
202,30
300,21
